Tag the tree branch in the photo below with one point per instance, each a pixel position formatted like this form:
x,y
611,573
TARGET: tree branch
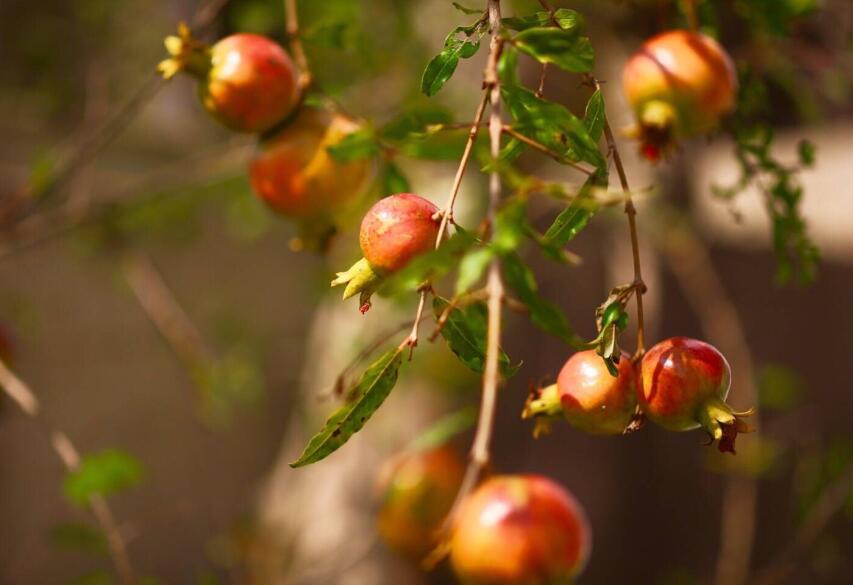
x,y
295,41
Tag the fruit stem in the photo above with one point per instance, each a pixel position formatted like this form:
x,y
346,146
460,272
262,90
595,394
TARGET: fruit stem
x,y
295,41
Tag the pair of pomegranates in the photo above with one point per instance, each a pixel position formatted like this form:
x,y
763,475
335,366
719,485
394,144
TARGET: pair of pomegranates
x,y
249,84
512,529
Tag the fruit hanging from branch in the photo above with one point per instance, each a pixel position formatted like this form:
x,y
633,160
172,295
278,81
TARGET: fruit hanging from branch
x,y
683,386
293,172
394,231
588,396
246,81
520,529
417,491
679,84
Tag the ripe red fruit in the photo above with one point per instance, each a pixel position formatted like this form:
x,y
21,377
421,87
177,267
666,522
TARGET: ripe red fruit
x,y
588,396
683,385
679,84
418,490
520,529
246,81
297,177
394,230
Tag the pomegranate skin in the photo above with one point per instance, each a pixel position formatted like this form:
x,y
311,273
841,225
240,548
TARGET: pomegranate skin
x,y
593,400
295,175
680,81
417,491
679,377
520,529
396,229
252,83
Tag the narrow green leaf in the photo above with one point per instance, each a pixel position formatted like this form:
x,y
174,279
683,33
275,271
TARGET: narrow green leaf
x,y
576,216
465,334
544,314
392,180
565,49
103,474
466,10
364,399
443,65
508,66
471,268
358,145
510,222
595,115
445,429
415,121
569,20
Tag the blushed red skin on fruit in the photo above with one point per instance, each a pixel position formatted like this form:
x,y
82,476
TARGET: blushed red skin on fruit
x,y
688,70
396,229
519,529
417,491
252,84
678,376
295,175
592,399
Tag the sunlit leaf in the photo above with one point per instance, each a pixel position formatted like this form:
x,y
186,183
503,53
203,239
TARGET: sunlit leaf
x,y
565,49
102,474
443,65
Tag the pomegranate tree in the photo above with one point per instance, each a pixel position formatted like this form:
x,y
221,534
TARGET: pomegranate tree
x,y
246,81
683,385
588,396
417,491
293,172
394,230
679,84
522,529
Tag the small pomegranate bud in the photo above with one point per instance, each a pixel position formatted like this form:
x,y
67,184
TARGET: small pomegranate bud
x,y
295,175
679,84
394,230
246,81
588,395
683,385
417,491
520,529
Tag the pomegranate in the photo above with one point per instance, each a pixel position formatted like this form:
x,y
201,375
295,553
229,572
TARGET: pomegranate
x,y
519,529
679,84
295,175
588,396
246,81
417,490
683,385
394,230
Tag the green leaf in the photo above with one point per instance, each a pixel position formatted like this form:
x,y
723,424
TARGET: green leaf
x,y
508,66
359,145
333,33
806,152
576,216
80,537
364,399
552,125
565,49
443,65
779,388
392,180
445,429
103,474
510,222
569,20
466,10
544,314
465,334
471,268
429,266
595,115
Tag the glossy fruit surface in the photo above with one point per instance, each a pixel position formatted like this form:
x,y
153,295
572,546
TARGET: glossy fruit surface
x,y
396,229
679,83
417,490
520,529
295,175
592,399
251,85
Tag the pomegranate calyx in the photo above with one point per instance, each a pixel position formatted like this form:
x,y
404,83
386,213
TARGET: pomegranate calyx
x,y
186,53
361,279
723,424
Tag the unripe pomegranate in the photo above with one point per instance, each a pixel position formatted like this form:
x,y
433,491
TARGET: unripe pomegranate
x,y
588,396
679,84
418,490
394,230
246,81
520,529
683,385
293,172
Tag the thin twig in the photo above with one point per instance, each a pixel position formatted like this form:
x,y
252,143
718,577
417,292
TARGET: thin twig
x,y
295,41
544,149
21,394
691,15
540,91
833,498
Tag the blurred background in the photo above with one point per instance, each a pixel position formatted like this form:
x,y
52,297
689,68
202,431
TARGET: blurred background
x,y
157,310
